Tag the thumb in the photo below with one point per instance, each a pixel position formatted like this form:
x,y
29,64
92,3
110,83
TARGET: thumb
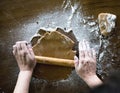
x,y
76,61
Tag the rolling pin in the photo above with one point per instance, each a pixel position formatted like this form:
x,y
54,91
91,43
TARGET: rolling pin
x,y
55,61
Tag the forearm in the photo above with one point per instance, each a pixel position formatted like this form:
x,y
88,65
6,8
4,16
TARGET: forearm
x,y
23,82
93,81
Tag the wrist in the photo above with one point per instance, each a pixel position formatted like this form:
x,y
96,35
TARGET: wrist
x,y
26,70
22,85
92,81
26,73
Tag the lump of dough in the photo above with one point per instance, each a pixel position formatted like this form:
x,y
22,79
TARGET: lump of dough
x,y
106,23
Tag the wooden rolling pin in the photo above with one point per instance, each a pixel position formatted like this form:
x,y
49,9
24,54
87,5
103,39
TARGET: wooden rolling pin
x,y
55,61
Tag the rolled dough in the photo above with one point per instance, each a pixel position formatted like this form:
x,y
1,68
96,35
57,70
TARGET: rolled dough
x,y
53,44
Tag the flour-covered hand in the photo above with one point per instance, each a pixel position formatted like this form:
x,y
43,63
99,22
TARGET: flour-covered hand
x,y
85,66
24,55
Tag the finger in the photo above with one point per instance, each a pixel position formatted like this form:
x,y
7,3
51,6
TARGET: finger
x,y
24,47
88,49
27,53
32,55
87,45
80,63
29,46
81,54
18,44
25,50
14,49
30,49
84,51
94,54
81,51
18,47
80,46
21,49
76,61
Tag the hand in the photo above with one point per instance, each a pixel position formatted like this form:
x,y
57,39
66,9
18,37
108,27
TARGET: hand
x,y
86,65
26,61
24,55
